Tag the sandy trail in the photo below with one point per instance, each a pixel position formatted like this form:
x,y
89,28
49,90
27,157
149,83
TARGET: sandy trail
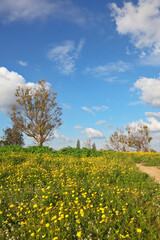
x,y
153,172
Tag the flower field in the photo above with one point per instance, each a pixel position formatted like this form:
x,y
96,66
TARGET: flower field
x,y
149,159
55,197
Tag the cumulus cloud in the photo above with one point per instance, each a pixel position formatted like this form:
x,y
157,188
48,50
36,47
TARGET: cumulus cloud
x,y
78,127
150,59
149,90
61,137
64,56
40,9
153,114
152,123
105,70
9,81
140,22
92,133
156,141
100,122
23,63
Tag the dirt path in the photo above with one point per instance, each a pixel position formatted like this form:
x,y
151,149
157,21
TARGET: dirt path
x,y
153,172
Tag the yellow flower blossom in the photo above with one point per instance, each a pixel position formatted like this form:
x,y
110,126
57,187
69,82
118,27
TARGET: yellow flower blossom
x,y
47,225
79,234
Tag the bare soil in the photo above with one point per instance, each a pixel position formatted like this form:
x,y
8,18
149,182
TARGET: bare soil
x,y
153,172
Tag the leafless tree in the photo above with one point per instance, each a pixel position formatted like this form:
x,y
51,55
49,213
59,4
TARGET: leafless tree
x,y
133,138
87,143
118,140
139,137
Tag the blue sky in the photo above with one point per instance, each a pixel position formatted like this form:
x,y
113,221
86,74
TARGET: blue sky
x,y
101,57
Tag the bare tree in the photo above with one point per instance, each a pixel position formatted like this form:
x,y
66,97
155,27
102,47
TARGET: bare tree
x,y
132,138
118,140
139,137
36,113
87,143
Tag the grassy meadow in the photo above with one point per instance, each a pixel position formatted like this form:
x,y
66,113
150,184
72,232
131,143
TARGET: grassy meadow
x,y
77,195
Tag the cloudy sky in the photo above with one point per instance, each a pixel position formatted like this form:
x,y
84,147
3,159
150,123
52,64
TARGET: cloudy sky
x,y
101,57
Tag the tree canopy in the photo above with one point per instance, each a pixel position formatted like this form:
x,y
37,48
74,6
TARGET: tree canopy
x,y
12,137
36,111
135,138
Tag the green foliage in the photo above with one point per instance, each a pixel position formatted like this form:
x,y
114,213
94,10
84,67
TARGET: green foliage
x,y
39,149
3,143
12,136
149,159
78,144
80,152
94,146
12,148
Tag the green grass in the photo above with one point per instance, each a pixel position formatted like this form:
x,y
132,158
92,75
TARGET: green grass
x,y
149,159
60,196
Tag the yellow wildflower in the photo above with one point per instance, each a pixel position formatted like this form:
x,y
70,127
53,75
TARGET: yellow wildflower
x,y
79,234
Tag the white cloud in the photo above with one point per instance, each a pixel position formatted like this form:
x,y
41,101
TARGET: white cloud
x,y
95,108
100,108
110,79
150,90
92,133
153,114
87,109
154,127
150,60
105,70
78,127
64,56
100,122
140,22
135,103
30,10
9,81
23,63
61,137
134,124
156,141
152,123
66,106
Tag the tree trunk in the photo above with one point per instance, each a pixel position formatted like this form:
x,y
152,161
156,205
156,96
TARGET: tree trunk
x,y
40,142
